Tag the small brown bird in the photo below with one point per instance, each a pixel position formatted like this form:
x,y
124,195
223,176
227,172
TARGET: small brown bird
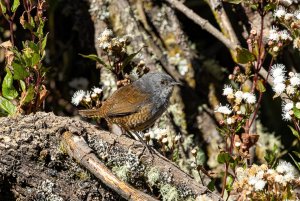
x,y
135,107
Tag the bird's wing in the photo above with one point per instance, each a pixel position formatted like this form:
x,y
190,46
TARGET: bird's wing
x,y
127,100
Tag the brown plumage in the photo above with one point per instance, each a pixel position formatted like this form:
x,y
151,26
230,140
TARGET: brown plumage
x,y
136,106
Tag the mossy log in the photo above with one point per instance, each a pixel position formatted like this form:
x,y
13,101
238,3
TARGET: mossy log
x,y
35,165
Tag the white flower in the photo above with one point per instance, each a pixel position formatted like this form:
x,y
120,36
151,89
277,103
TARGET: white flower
x,y
289,176
224,109
237,144
260,174
106,33
238,94
295,80
284,167
259,185
284,35
277,70
251,99
87,97
279,79
97,90
273,34
290,90
77,97
227,90
280,12
253,180
286,116
297,14
230,121
279,88
298,105
287,106
288,16
279,179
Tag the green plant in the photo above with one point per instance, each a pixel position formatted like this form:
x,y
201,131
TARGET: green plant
x,y
23,90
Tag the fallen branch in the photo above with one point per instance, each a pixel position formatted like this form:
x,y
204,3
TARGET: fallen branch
x,y
35,164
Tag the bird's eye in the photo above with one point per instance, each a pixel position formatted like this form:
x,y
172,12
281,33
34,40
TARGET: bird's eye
x,y
164,82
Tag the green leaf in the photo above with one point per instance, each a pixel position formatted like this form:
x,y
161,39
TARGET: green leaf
x,y
224,157
32,46
95,58
20,72
260,86
29,95
23,85
35,59
244,56
129,58
15,5
295,132
269,6
296,112
7,106
40,29
296,163
3,6
211,185
8,89
44,42
229,182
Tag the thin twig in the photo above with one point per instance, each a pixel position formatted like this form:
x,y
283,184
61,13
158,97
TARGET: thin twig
x,y
203,23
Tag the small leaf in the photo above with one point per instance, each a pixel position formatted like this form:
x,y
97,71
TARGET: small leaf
x,y
129,58
7,106
35,59
3,6
28,96
270,6
20,72
8,89
294,131
211,185
296,112
244,56
44,42
224,157
229,182
260,86
95,58
23,85
15,5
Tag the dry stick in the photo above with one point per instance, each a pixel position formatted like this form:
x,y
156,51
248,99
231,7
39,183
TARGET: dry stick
x,y
212,30
81,152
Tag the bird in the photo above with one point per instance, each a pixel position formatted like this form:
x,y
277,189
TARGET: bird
x,y
136,106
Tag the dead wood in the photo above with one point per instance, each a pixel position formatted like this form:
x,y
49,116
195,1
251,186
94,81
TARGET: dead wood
x,y
34,164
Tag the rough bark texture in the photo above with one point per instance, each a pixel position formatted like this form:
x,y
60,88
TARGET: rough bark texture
x,y
34,165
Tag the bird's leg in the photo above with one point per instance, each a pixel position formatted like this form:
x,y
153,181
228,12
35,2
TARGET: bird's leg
x,y
137,137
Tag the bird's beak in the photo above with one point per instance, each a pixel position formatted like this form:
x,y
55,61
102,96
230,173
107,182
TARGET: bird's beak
x,y
176,83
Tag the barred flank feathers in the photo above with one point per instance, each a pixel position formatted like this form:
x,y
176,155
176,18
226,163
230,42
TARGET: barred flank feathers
x,y
90,113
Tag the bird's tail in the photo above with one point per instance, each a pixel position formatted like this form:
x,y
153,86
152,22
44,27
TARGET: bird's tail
x,y
90,113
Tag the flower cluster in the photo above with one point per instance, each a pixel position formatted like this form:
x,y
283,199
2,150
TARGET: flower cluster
x,y
289,19
261,182
287,85
113,45
87,98
164,137
240,101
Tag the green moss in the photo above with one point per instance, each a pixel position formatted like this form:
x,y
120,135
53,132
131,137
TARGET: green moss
x,y
169,193
121,172
153,176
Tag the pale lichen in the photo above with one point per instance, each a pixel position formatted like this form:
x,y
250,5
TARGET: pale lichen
x,y
153,176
